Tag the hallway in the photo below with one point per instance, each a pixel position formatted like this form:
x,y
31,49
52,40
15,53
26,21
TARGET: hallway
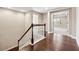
x,y
32,29
54,42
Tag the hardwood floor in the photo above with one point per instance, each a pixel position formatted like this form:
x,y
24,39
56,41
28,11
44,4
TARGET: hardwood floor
x,y
54,42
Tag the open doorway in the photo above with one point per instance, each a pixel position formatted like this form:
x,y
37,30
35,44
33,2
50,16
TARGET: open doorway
x,y
60,22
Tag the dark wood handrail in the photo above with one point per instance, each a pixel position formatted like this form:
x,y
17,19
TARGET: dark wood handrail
x,y
25,33
32,40
39,24
29,29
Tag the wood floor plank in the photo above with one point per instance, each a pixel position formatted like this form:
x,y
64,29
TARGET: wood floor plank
x,y
55,42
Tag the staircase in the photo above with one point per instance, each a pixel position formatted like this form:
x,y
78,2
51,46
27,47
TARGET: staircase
x,y
34,34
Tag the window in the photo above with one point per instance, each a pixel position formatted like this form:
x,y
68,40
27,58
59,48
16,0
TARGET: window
x,y
35,19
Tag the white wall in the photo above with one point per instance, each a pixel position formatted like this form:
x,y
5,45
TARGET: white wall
x,y
77,25
72,21
11,28
27,21
40,17
46,21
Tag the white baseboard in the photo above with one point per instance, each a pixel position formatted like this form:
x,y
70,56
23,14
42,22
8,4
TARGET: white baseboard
x,y
74,37
49,32
10,48
77,39
39,40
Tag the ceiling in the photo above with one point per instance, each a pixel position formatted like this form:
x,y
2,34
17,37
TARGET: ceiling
x,y
38,9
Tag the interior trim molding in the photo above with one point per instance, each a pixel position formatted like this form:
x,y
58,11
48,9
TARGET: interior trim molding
x,y
49,32
10,48
74,37
39,40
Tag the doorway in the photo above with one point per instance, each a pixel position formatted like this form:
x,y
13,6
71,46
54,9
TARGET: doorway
x,y
60,22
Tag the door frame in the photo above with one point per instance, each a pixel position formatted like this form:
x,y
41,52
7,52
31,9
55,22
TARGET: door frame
x,y
60,10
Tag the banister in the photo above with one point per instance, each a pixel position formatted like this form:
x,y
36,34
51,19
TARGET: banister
x,y
31,26
25,33
39,24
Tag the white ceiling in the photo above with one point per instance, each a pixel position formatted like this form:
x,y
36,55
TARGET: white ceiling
x,y
43,9
38,9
